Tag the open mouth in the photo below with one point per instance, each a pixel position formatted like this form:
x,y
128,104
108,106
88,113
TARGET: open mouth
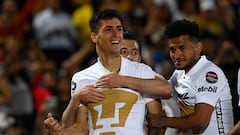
x,y
114,42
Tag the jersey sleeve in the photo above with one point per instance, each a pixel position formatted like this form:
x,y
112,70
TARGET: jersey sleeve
x,y
77,82
209,87
148,73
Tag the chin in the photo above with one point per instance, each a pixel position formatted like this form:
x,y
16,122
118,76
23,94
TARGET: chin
x,y
179,67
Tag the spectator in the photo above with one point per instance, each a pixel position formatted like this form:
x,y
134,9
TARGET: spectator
x,y
55,32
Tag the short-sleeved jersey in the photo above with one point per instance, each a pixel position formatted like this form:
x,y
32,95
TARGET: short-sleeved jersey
x,y
123,110
205,83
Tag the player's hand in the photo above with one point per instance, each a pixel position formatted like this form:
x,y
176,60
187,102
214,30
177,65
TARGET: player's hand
x,y
53,127
112,80
90,94
156,120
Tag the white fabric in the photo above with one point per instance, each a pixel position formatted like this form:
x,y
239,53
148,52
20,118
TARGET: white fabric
x,y
123,110
205,83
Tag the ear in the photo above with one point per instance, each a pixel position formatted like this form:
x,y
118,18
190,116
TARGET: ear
x,y
199,47
93,37
139,59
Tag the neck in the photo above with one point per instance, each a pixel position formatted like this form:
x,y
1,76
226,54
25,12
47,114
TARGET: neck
x,y
189,67
112,64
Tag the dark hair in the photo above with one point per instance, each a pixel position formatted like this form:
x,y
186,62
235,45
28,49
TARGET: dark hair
x,y
104,15
131,36
182,27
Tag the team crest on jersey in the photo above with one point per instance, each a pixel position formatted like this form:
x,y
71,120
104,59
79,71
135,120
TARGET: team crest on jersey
x,y
211,77
73,85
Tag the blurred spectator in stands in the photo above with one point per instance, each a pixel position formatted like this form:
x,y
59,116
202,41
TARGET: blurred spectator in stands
x,y
228,13
228,59
210,43
55,32
55,104
158,16
5,101
45,90
186,9
14,21
42,78
21,108
80,19
207,18
81,59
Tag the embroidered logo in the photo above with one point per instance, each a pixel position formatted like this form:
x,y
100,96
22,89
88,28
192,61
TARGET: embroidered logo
x,y
211,77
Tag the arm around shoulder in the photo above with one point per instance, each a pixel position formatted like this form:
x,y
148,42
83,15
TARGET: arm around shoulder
x,y
235,130
157,86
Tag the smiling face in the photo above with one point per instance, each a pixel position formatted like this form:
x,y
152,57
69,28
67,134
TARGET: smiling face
x,y
184,52
108,37
130,50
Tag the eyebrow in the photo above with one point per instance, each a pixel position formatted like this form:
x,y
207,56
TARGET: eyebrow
x,y
135,49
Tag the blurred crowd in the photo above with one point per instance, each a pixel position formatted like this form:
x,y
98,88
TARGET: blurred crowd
x,y
43,42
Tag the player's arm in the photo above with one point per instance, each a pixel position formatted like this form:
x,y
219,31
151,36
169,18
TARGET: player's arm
x,y
84,95
235,130
158,86
69,114
155,107
197,122
52,125
80,127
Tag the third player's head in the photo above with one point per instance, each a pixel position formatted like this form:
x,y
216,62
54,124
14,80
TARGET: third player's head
x,y
184,45
130,47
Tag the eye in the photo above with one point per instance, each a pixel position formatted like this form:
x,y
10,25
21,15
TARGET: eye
x,y
123,51
107,29
135,52
182,48
120,28
172,50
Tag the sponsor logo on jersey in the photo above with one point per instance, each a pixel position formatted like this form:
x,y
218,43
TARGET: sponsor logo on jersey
x,y
219,118
207,89
211,77
73,85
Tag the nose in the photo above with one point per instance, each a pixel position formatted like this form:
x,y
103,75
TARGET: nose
x,y
130,57
117,33
177,53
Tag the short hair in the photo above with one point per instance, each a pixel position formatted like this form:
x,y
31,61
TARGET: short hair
x,y
103,15
128,35
182,27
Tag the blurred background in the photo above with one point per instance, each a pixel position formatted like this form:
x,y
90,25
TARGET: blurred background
x,y
43,42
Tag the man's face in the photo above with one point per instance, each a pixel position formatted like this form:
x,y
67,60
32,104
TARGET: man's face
x,y
184,52
130,50
109,36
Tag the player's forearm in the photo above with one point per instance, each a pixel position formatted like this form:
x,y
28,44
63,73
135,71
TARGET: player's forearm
x,y
235,130
195,125
155,131
69,114
157,87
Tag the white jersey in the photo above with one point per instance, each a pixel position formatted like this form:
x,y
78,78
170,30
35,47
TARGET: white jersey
x,y
171,109
205,83
123,110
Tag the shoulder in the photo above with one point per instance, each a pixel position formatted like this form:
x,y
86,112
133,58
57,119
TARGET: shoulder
x,y
85,72
213,72
135,65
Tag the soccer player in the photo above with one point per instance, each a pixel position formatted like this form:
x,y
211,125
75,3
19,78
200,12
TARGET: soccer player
x,y
131,49
123,109
203,91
